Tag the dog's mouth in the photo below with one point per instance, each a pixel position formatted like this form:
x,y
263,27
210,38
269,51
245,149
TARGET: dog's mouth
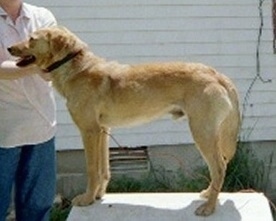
x,y
25,60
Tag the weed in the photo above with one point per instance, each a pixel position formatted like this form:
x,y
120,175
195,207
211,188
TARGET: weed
x,y
60,209
246,171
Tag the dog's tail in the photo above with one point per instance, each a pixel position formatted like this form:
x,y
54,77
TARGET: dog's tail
x,y
229,128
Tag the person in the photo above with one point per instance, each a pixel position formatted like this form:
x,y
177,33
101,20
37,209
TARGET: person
x,y
27,119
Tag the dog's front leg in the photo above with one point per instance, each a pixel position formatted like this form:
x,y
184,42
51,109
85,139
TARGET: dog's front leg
x,y
92,145
105,168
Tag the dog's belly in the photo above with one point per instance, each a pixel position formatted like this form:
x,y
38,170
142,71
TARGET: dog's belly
x,y
128,120
137,116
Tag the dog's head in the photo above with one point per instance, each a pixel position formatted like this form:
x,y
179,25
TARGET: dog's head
x,y
46,46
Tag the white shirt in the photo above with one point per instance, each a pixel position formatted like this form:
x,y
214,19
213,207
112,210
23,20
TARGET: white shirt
x,y
27,105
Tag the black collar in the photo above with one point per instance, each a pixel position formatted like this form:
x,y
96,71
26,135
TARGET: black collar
x,y
62,61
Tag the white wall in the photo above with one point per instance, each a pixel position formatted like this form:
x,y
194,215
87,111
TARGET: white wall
x,y
221,33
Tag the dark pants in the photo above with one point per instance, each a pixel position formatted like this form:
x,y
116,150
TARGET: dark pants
x,y
33,171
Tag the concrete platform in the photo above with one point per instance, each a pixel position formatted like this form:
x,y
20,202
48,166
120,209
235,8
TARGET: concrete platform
x,y
173,207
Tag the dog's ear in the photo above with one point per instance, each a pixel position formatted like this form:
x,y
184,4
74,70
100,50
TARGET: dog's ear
x,y
63,41
57,42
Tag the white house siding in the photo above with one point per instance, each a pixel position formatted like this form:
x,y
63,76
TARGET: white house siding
x,y
220,33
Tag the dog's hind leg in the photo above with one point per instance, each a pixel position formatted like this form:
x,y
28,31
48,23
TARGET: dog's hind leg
x,y
227,141
227,135
206,117
206,140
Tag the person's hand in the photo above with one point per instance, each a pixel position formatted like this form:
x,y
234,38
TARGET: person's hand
x,y
10,71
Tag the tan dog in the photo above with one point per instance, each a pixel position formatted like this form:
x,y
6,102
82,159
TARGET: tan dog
x,y
103,94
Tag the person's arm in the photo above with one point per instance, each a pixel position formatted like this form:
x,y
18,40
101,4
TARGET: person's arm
x,y
9,70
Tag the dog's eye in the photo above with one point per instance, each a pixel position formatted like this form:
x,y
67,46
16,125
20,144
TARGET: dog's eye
x,y
32,41
32,38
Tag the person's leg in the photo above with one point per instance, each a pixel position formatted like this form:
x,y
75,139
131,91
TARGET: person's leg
x,y
35,182
9,158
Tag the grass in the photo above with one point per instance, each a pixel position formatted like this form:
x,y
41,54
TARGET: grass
x,y
244,172
60,210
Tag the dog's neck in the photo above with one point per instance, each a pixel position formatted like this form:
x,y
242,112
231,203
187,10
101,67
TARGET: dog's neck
x,y
62,61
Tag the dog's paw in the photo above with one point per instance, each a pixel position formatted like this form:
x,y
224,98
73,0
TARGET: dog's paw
x,y
84,199
205,209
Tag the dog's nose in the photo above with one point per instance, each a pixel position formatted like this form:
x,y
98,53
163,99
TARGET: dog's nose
x,y
9,49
